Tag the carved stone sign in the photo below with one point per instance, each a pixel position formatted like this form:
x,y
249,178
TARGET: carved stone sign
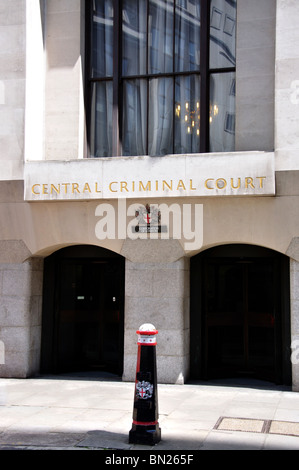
x,y
235,174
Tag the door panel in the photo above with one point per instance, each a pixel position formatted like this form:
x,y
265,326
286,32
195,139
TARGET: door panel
x,y
240,317
260,316
88,315
80,315
83,308
224,316
240,314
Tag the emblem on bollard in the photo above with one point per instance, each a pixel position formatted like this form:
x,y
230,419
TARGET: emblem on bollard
x,y
145,427
144,390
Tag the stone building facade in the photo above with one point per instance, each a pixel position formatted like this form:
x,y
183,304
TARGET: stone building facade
x,y
203,244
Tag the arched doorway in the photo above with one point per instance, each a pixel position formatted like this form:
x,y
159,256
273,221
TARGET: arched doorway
x,y
83,305
240,314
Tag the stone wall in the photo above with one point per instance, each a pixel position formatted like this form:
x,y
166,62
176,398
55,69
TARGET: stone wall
x,y
20,317
255,74
64,104
287,86
294,284
12,87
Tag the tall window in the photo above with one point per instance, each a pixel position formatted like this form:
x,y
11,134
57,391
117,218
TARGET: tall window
x,y
161,76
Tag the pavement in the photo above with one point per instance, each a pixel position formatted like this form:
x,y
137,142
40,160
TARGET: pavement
x,y
95,413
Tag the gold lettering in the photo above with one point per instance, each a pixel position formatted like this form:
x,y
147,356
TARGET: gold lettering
x,y
181,185
157,185
261,178
53,188
97,191
123,186
147,188
75,187
45,189
86,188
232,183
191,186
65,187
249,182
133,186
33,188
206,183
221,183
110,188
164,183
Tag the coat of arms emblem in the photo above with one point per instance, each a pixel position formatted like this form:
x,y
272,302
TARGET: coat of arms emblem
x,y
148,215
148,219
144,390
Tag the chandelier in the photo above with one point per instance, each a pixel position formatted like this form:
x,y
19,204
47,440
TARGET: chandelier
x,y
189,114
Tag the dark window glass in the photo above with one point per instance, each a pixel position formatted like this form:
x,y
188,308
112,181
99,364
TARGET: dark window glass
x,y
160,44
160,116
134,117
222,34
187,36
154,88
102,39
187,114
134,37
222,112
101,119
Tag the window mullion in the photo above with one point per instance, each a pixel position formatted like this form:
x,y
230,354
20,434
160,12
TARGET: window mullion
x,y
88,68
174,76
117,85
204,76
147,75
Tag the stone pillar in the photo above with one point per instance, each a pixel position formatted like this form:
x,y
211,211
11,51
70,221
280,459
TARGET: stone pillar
x,y
287,86
255,75
12,88
64,110
20,317
294,284
157,292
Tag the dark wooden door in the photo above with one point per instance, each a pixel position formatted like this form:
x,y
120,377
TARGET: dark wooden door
x,y
240,314
83,311
88,315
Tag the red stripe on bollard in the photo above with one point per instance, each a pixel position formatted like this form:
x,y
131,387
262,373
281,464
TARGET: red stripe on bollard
x,y
140,423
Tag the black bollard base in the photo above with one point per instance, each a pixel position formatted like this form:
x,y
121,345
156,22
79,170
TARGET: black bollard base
x,y
146,435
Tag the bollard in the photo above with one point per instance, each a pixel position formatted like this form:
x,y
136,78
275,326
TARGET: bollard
x,y
145,428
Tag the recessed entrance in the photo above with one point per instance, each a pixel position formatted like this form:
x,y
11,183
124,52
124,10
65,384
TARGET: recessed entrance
x,y
240,314
83,311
